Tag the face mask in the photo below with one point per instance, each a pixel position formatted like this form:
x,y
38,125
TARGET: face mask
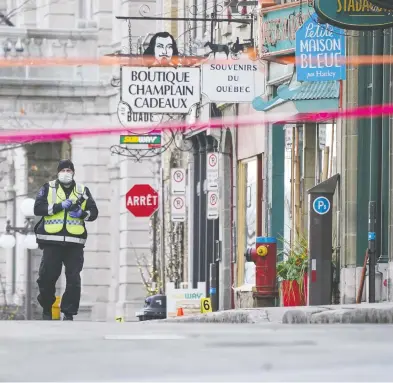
x,y
65,178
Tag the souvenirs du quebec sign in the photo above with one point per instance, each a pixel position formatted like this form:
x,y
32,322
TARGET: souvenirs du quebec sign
x,y
233,82
355,14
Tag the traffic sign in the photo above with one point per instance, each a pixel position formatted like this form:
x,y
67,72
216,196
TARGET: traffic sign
x,y
321,205
142,200
178,181
212,205
178,208
212,171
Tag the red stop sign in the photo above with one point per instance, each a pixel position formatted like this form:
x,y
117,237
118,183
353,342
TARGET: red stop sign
x,y
142,200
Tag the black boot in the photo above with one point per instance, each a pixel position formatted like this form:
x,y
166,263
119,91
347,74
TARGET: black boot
x,y
47,315
68,317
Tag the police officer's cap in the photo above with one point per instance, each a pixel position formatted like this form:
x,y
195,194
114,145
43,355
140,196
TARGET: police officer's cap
x,y
65,164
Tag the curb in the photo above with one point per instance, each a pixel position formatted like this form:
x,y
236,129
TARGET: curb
x,y
305,315
230,316
350,315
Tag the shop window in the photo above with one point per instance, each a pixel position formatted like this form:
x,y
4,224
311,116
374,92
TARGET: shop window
x,y
42,161
249,216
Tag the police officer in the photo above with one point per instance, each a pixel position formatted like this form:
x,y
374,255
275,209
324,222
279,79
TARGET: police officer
x,y
64,207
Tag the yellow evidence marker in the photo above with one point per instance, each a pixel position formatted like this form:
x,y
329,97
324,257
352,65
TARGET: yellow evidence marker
x,y
206,305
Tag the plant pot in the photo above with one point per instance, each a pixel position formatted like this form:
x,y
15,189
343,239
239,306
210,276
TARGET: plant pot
x,y
293,294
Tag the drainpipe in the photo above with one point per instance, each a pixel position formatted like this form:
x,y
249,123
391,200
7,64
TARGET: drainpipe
x,y
162,233
209,229
195,214
387,41
202,208
13,181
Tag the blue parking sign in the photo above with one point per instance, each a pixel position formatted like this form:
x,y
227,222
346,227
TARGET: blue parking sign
x,y
321,205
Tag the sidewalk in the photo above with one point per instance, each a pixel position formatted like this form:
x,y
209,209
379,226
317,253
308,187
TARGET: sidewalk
x,y
361,313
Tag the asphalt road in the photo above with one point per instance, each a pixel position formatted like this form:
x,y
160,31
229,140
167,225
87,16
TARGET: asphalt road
x,y
194,352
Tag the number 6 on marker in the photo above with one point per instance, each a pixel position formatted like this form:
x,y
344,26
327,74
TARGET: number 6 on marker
x,y
206,306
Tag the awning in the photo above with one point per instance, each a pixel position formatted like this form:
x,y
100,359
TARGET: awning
x,y
306,97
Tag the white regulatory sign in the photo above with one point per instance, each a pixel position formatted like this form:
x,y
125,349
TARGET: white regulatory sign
x,y
212,171
178,181
212,205
178,208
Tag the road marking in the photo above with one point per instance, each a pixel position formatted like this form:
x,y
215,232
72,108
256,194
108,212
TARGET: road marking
x,y
144,337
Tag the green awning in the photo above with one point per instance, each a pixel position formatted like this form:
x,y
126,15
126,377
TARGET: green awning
x,y
308,97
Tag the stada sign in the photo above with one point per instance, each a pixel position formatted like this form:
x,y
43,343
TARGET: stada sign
x,y
319,50
353,14
388,4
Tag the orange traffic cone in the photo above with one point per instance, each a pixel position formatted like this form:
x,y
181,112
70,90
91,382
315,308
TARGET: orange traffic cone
x,y
180,312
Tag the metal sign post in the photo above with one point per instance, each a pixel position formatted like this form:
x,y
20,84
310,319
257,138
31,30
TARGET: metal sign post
x,y
372,210
320,225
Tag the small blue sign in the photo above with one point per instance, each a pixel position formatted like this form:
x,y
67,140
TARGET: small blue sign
x,y
321,205
212,290
371,236
319,51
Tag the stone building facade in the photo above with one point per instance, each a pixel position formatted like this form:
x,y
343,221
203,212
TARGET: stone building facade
x,y
82,96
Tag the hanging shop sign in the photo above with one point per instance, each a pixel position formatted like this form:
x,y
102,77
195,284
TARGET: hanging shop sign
x,y
353,14
278,28
162,86
236,82
387,4
160,89
142,142
320,49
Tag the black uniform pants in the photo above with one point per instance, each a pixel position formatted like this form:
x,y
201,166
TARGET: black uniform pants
x,y
52,261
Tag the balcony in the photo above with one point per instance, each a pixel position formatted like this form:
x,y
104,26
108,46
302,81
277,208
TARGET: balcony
x,y
48,43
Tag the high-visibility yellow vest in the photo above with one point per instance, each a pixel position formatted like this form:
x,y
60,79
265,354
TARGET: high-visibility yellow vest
x,y
54,223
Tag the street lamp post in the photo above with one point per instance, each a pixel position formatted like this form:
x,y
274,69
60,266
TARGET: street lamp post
x,y
8,241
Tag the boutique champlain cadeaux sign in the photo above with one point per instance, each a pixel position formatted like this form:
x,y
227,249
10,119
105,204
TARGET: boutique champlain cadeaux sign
x,y
160,89
320,50
234,82
354,14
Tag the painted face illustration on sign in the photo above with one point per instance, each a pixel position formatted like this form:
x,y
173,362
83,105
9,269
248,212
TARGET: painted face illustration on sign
x,y
163,47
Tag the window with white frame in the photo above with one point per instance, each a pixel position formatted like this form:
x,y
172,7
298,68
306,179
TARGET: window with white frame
x,y
250,223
